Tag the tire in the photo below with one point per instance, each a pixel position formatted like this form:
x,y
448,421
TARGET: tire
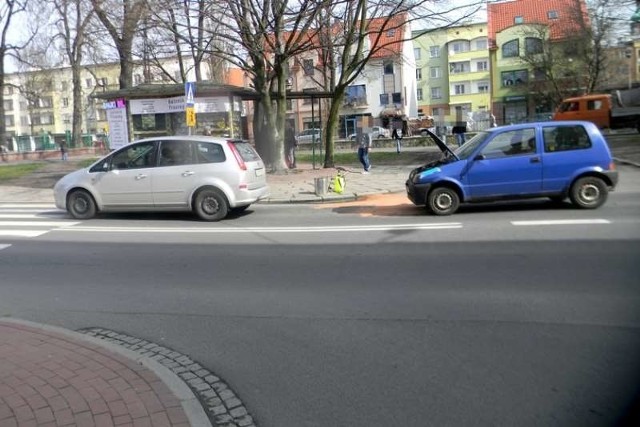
x,y
589,192
239,209
443,201
211,205
80,204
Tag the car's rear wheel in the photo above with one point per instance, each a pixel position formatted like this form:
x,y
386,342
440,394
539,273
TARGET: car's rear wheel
x,y
80,204
443,201
589,192
211,205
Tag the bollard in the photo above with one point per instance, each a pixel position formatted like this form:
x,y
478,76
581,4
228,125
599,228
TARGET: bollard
x,y
322,186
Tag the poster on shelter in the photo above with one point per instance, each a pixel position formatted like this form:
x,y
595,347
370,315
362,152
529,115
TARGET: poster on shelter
x,y
118,132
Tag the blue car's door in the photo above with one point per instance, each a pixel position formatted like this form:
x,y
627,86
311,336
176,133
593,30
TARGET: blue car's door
x,y
510,164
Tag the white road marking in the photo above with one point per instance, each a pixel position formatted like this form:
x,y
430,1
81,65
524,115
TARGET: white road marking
x,y
27,206
563,222
3,246
27,216
335,229
22,233
37,223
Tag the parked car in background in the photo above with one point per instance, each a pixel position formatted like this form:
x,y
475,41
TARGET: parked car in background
x,y
207,175
545,159
307,136
377,132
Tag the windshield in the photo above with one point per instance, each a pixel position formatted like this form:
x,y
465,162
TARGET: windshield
x,y
470,146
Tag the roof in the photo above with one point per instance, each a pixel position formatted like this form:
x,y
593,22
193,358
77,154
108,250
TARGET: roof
x,y
572,16
386,35
177,89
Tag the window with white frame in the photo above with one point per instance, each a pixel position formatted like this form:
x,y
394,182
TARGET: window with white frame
x,y
459,46
65,102
459,67
419,94
437,111
89,83
436,93
483,87
417,53
434,51
307,66
418,73
552,14
388,67
435,72
482,65
458,89
482,43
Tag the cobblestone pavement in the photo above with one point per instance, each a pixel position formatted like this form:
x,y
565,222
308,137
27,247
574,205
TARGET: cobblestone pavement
x,y
54,377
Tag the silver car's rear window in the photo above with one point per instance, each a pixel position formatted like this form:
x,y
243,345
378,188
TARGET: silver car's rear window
x,y
246,151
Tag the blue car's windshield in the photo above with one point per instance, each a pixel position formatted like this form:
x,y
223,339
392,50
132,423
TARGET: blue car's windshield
x,y
470,146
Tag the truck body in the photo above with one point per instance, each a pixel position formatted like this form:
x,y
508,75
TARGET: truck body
x,y
609,111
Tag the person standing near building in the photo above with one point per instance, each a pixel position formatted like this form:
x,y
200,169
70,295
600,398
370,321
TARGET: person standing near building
x,y
290,144
63,150
365,142
459,130
397,136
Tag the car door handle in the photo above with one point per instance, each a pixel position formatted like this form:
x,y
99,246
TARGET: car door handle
x,y
535,159
140,176
188,173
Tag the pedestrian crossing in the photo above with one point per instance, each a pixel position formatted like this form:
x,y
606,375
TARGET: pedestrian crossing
x,y
31,219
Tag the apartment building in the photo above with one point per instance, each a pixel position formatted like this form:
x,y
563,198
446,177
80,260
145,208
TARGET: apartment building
x,y
383,92
454,75
519,29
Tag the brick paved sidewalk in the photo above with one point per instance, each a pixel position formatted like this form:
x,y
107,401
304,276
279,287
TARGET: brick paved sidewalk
x,y
53,377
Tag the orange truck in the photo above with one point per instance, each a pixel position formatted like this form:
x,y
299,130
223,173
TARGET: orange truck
x,y
618,110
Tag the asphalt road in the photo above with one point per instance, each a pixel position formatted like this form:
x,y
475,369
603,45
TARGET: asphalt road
x,y
368,313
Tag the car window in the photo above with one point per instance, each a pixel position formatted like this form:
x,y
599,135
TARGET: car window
x,y
175,153
563,138
209,152
140,155
246,151
511,143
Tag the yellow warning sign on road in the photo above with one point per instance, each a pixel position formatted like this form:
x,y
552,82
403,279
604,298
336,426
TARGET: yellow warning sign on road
x,y
191,116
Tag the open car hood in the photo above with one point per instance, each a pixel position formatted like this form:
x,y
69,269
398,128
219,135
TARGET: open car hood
x,y
441,144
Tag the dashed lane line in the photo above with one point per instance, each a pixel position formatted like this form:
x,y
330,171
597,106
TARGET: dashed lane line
x,y
562,222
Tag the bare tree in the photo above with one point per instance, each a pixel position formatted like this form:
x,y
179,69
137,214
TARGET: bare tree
x,y
570,57
122,19
9,10
72,37
357,35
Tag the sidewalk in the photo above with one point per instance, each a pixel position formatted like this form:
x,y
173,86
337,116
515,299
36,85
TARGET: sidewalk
x,y
292,186
54,377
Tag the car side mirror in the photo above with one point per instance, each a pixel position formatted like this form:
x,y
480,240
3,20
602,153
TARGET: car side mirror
x,y
480,157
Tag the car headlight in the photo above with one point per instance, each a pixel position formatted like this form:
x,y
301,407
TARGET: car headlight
x,y
422,175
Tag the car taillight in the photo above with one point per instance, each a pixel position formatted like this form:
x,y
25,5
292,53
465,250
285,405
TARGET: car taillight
x,y
612,166
237,155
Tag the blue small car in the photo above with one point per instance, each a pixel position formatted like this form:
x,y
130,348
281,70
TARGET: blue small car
x,y
557,159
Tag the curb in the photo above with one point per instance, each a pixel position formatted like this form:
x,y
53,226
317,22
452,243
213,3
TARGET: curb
x,y
189,402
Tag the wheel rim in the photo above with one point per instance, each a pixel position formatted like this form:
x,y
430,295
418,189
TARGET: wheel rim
x,y
80,205
210,205
443,201
589,193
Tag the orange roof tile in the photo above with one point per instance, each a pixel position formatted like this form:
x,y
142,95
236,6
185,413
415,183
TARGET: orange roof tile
x,y
571,16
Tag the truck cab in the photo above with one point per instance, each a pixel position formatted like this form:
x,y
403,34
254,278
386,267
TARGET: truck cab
x,y
593,108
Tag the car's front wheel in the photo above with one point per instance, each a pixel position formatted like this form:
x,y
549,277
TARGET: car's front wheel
x,y
80,204
589,192
443,201
211,205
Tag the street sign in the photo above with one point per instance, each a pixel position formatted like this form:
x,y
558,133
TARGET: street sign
x,y
189,94
191,116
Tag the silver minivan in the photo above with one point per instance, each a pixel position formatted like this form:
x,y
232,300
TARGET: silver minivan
x,y
207,175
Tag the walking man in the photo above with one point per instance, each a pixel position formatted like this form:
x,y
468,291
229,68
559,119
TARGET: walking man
x,y
365,141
